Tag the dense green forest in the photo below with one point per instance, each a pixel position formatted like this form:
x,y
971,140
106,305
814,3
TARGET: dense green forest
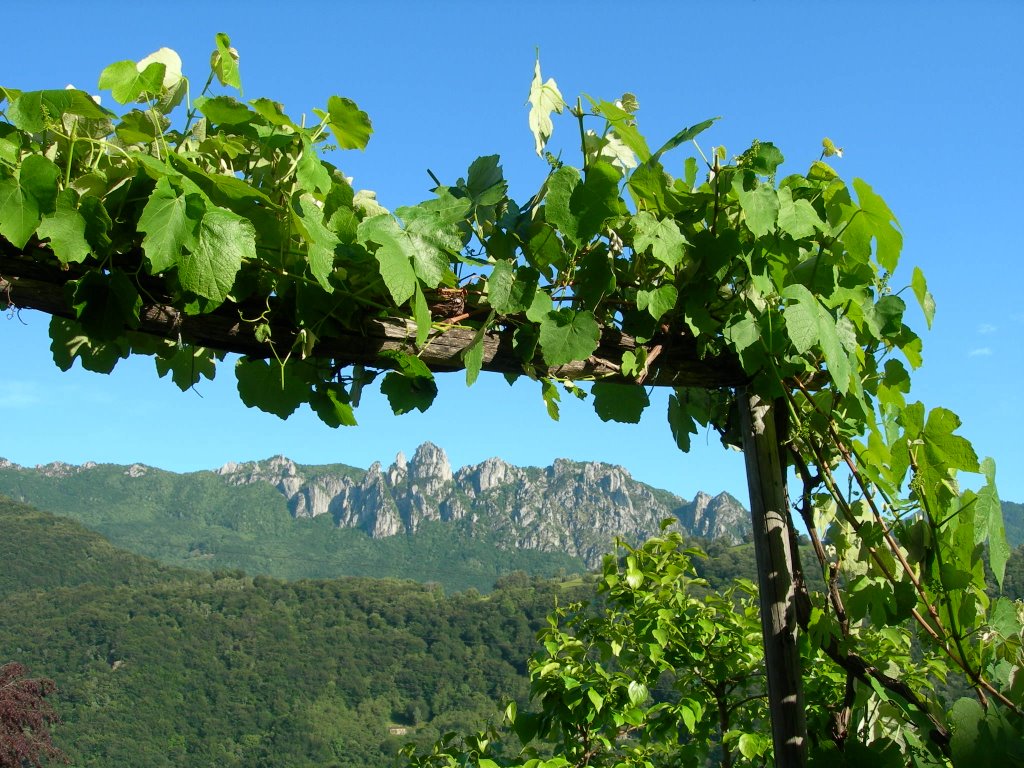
x,y
164,666
159,666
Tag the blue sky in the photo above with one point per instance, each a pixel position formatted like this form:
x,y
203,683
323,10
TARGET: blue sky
x,y
924,98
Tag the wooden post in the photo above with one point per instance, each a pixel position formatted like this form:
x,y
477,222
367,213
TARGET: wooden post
x,y
768,502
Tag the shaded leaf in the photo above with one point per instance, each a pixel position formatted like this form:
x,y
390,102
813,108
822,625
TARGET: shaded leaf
x,y
187,364
65,229
105,304
406,393
71,342
332,404
269,386
623,403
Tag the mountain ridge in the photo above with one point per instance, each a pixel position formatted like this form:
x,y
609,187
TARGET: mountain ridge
x,y
572,508
529,507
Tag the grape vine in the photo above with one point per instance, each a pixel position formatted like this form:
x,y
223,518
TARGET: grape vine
x,y
186,226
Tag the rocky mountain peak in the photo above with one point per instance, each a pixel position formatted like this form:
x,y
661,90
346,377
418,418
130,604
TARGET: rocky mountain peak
x,y
571,506
491,473
430,465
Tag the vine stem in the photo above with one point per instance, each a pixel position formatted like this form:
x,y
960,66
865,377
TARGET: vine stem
x,y
578,114
844,453
957,656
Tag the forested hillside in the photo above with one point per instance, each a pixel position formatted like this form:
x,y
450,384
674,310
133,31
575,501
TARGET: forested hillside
x,y
166,667
162,666
200,521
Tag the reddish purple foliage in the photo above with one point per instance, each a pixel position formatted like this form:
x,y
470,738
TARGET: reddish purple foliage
x,y
25,717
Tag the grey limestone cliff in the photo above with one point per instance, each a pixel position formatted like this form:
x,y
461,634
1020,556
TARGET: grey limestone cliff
x,y
572,507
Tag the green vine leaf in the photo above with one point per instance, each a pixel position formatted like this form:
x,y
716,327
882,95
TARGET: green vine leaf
x,y
473,358
485,182
681,422
408,393
662,236
310,171
511,290
224,62
349,124
623,123
19,212
70,342
567,335
658,302
760,204
619,402
106,304
224,110
685,135
32,110
322,241
989,525
127,83
170,222
924,298
39,177
332,404
25,199
551,396
65,229
809,324
421,314
395,263
872,220
270,386
138,127
187,364
223,242
797,218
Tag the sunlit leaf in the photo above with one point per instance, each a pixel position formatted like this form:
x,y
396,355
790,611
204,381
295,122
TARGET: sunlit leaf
x,y
545,98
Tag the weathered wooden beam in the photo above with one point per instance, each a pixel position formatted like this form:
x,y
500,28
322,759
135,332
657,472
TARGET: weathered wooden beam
x,y
772,541
26,282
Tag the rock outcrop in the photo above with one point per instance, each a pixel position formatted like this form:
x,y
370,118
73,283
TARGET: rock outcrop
x,y
572,507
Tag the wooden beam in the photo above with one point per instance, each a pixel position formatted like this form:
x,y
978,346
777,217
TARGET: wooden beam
x,y
768,503
27,282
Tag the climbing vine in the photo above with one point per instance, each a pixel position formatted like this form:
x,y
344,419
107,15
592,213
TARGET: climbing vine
x,y
185,225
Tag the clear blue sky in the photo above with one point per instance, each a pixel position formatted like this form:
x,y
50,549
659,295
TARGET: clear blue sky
x,y
924,97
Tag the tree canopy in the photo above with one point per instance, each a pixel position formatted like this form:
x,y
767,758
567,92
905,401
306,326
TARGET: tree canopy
x,y
186,226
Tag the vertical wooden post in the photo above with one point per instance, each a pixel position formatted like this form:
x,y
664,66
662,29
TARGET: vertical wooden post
x,y
771,533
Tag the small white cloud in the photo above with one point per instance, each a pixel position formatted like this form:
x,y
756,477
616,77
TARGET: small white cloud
x,y
985,328
980,352
18,394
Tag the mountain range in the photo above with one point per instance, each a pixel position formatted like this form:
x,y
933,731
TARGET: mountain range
x,y
572,507
416,518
